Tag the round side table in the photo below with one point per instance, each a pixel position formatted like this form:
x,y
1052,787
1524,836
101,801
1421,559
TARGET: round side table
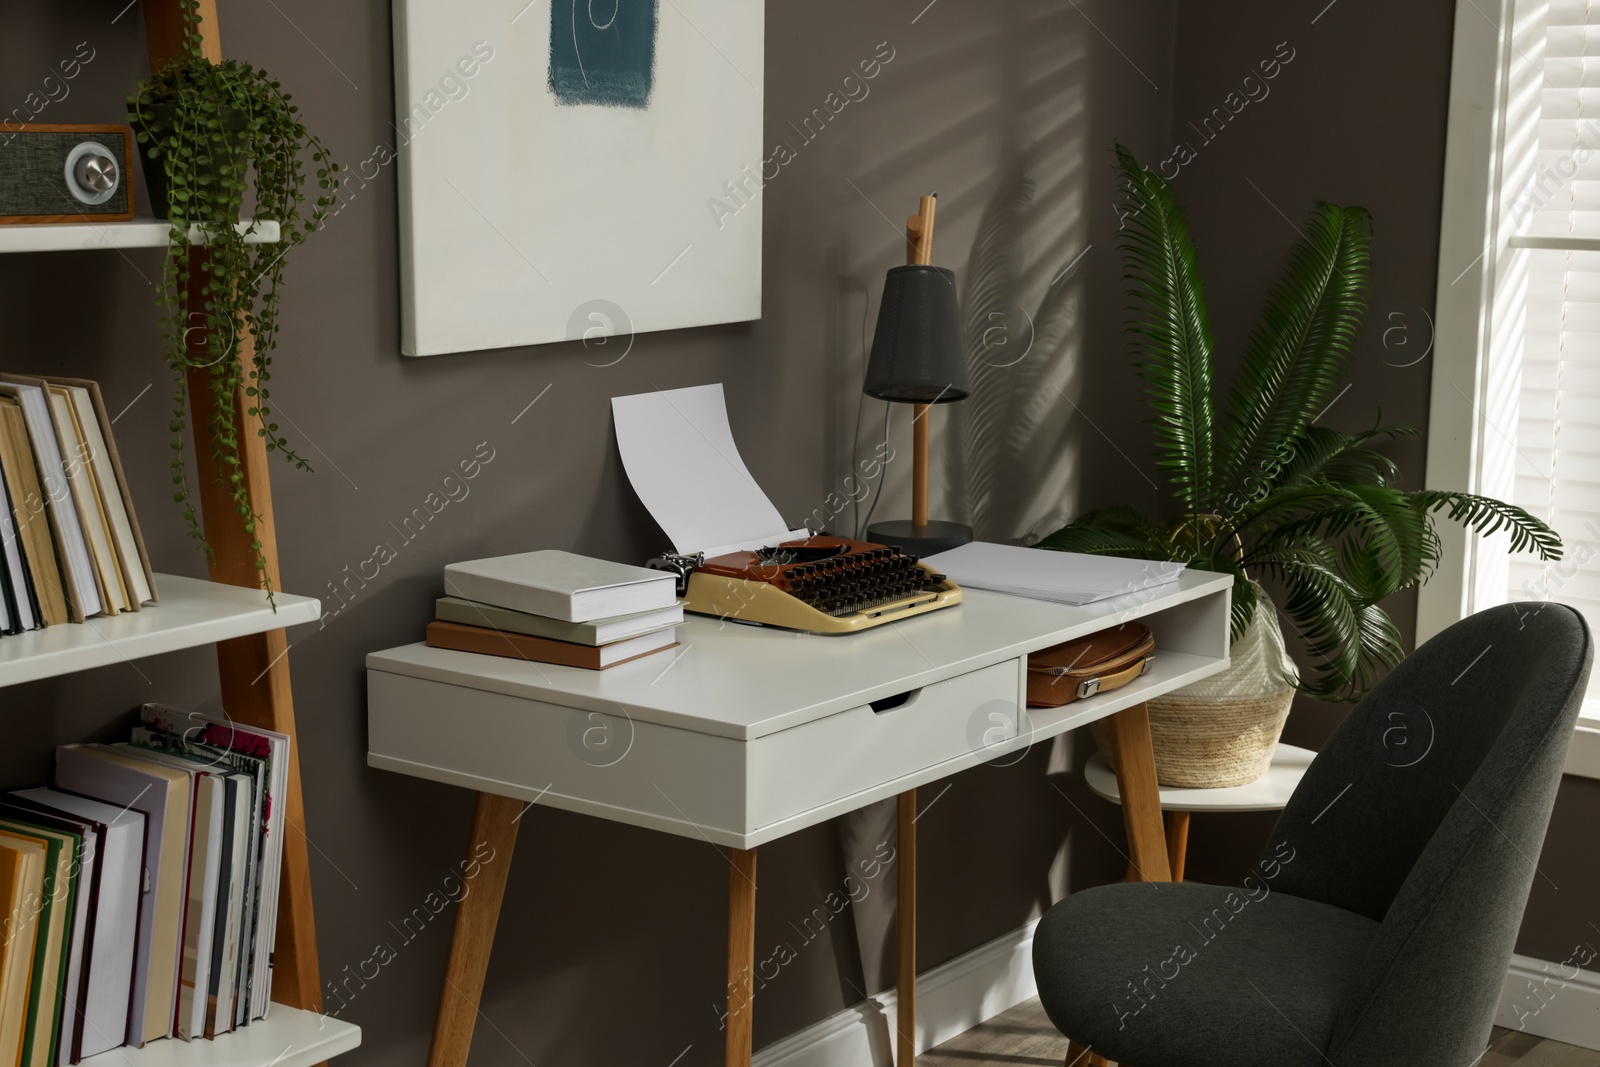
x,y
1270,792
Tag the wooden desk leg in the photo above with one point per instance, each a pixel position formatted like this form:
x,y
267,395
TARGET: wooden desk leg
x,y
494,836
906,921
1078,1056
741,955
1141,796
1177,842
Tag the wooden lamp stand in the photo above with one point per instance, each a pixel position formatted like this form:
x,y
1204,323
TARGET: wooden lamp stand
x,y
920,536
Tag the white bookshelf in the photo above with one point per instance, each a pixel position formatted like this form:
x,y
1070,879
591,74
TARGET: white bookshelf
x,y
88,235
193,613
190,613
287,1037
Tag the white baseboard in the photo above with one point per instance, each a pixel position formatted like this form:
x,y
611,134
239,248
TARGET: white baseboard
x,y
1583,754
952,998
1554,1000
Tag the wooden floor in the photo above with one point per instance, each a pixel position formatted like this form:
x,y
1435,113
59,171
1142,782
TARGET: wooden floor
x,y
1024,1035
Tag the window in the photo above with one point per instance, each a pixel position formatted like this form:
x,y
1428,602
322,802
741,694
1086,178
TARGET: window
x,y
1516,378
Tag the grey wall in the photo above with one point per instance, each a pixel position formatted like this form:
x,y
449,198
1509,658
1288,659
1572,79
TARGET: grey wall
x,y
602,922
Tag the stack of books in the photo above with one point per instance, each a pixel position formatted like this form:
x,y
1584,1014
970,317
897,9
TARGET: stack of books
x,y
70,547
140,891
557,607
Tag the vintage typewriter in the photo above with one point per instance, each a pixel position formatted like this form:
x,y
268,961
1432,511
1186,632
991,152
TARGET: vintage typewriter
x,y
821,584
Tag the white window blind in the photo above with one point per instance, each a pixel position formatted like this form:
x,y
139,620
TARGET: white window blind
x,y
1549,281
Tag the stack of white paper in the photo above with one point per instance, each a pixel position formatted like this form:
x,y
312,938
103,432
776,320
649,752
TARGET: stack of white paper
x,y
1040,574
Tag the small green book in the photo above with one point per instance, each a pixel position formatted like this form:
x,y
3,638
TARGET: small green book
x,y
597,632
47,986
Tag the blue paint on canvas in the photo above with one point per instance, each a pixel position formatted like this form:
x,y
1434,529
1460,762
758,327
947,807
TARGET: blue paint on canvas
x,y
603,52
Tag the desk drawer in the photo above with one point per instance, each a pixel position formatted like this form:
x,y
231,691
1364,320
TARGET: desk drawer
x,y
796,770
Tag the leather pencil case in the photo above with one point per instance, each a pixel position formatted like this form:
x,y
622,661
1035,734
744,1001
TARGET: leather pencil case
x,y
1098,663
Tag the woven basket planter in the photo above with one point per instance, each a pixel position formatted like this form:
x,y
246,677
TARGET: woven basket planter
x,y
1221,731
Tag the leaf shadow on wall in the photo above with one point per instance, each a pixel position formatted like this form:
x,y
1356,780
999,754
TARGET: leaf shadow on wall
x,y
1009,461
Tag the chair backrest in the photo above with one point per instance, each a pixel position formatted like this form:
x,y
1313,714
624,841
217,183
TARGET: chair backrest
x,y
1427,810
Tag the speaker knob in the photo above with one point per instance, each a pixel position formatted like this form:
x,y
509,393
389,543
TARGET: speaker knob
x,y
96,173
93,174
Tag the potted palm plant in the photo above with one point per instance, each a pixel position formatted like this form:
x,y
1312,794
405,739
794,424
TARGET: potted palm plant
x,y
1260,490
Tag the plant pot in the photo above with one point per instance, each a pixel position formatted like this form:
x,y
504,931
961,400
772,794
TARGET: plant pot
x,y
1221,731
234,124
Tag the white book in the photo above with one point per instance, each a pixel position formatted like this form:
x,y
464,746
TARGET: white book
x,y
561,585
105,476
15,566
109,773
199,914
1040,574
110,966
230,906
595,632
73,545
85,494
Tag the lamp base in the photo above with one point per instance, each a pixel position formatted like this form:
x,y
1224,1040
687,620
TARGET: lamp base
x,y
920,540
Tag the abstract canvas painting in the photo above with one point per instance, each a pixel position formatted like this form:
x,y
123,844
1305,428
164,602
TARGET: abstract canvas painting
x,y
565,166
607,59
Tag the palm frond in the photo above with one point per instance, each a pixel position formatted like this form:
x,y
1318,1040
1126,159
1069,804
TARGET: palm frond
x,y
1486,516
1318,453
1326,611
1244,604
1246,599
1381,649
1081,536
1125,518
1266,517
1168,317
1299,347
1383,542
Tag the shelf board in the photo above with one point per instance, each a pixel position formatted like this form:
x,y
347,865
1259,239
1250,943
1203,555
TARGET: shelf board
x,y
191,613
287,1037
87,236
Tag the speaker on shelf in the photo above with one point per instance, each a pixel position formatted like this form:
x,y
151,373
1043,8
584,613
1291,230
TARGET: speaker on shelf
x,y
56,173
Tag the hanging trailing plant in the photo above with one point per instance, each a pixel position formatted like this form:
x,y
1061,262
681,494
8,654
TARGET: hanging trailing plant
x,y
218,139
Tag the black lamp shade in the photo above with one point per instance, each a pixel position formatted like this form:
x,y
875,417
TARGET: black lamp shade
x,y
916,351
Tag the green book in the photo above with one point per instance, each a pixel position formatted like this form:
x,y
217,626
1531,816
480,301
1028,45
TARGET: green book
x,y
596,632
47,985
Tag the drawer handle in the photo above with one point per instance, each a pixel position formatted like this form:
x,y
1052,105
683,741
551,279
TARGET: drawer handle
x,y
899,700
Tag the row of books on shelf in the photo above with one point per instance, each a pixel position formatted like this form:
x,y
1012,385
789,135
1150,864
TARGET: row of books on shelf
x,y
556,607
71,543
140,891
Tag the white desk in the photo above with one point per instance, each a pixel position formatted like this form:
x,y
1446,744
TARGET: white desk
x,y
743,735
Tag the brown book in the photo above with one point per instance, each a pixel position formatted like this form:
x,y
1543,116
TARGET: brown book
x,y
28,507
492,642
22,871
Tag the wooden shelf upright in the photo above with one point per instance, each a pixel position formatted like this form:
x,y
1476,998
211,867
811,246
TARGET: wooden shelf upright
x,y
254,669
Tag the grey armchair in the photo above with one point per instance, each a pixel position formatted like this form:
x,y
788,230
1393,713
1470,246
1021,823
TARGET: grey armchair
x,y
1377,927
